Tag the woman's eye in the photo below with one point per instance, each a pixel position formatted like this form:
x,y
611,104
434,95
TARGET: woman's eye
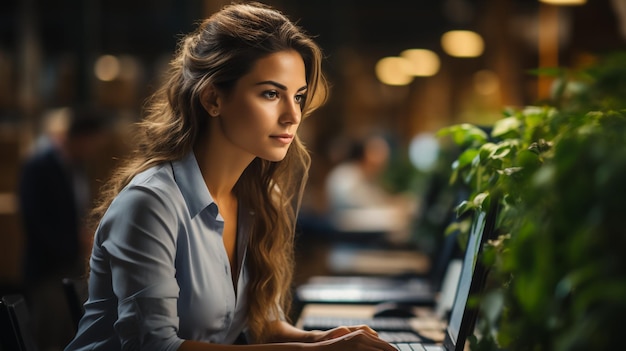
x,y
271,94
299,98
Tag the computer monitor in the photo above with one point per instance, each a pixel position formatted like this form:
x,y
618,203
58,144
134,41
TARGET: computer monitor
x,y
472,281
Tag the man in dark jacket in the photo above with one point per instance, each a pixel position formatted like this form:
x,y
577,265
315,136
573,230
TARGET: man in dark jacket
x,y
54,194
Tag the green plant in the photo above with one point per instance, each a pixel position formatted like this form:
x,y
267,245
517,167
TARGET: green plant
x,y
565,258
558,278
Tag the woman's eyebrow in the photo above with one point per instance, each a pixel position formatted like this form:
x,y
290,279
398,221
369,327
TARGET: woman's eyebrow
x,y
278,85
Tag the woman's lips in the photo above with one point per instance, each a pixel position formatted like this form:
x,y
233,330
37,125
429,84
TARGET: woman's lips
x,y
283,138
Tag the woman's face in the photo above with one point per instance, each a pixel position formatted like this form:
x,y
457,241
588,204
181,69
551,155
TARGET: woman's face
x,y
262,113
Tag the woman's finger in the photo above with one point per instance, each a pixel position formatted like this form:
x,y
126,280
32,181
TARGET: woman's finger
x,y
366,341
365,328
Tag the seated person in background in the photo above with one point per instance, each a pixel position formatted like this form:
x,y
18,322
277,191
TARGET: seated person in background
x,y
357,201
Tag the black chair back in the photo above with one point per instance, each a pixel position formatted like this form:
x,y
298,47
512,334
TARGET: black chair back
x,y
16,331
76,294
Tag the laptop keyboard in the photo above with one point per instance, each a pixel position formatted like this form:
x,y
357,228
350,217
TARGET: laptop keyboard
x,y
399,337
409,347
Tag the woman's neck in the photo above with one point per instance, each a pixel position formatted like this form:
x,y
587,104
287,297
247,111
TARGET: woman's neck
x,y
221,167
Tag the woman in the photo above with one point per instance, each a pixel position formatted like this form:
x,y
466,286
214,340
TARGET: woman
x,y
195,237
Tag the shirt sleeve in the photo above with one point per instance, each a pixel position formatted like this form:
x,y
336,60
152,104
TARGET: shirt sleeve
x,y
139,233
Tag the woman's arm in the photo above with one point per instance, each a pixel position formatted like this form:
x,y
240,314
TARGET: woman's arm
x,y
285,332
357,340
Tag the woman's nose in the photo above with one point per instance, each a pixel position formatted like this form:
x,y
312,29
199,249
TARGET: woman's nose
x,y
292,113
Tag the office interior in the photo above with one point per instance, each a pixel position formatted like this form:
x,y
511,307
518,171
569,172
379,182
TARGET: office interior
x,y
109,54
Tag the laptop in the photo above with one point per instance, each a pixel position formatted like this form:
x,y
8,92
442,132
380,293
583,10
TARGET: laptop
x,y
324,320
404,288
407,288
462,317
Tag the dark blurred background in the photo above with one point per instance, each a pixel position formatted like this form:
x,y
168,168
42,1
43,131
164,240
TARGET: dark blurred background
x,y
109,54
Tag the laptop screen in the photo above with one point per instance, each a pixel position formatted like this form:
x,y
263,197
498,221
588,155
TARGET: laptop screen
x,y
474,243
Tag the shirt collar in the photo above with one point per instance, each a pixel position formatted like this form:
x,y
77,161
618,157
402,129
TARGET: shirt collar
x,y
192,186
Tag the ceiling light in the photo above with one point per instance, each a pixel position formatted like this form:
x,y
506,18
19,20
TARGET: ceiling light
x,y
107,68
423,63
462,43
393,70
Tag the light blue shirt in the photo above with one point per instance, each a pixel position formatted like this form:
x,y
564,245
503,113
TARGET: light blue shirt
x,y
159,271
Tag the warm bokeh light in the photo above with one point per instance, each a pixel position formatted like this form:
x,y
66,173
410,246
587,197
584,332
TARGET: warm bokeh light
x,y
129,68
107,68
486,82
394,70
564,2
424,63
462,43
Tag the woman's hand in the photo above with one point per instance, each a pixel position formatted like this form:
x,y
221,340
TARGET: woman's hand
x,y
351,338
359,338
339,331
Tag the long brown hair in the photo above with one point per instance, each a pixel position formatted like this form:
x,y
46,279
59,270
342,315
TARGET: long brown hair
x,y
220,51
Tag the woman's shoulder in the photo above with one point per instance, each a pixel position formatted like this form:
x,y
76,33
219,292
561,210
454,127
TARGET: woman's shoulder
x,y
158,176
151,200
154,187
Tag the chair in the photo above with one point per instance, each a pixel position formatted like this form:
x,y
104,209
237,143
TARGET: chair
x,y
16,331
76,294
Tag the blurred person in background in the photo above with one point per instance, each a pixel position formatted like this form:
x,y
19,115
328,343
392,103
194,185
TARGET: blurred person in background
x,y
54,195
194,246
355,182
357,200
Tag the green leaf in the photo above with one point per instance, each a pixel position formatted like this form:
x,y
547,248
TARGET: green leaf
x,y
466,158
486,150
481,201
464,134
528,160
506,126
464,207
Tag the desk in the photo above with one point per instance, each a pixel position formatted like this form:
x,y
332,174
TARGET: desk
x,y
345,259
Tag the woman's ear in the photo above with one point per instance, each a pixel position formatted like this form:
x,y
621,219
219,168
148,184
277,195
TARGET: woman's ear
x,y
210,100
